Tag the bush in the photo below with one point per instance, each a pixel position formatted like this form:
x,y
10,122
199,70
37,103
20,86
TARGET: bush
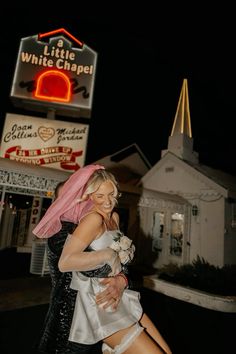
x,y
203,276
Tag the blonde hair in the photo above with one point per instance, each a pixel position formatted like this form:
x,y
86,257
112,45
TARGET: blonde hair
x,y
97,178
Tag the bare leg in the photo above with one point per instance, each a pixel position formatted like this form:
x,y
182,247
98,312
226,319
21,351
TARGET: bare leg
x,y
142,343
154,333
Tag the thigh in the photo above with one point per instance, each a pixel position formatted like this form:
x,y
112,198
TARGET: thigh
x,y
142,343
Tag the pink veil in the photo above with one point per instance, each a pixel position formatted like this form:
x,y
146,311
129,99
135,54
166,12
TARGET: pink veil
x,y
66,206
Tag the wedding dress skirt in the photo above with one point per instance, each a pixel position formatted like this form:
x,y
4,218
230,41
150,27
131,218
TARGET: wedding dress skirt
x,y
91,323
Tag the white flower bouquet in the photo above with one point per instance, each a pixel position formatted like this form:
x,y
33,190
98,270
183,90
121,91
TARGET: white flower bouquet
x,y
124,247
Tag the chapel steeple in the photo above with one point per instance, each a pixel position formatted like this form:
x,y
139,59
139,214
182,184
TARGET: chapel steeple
x,y
180,142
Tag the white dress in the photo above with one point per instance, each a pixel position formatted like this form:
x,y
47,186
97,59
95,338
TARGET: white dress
x,y
92,323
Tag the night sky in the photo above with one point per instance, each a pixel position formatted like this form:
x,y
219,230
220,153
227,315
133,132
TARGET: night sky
x,y
143,56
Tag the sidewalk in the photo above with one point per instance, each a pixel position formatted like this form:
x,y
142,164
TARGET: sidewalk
x,y
19,288
24,292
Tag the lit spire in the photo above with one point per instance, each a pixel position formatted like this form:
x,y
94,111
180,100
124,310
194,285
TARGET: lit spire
x,y
182,122
180,142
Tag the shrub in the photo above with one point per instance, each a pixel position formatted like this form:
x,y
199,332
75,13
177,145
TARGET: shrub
x,y
203,276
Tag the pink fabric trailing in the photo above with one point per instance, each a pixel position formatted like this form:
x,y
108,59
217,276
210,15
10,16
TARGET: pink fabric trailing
x,y
66,206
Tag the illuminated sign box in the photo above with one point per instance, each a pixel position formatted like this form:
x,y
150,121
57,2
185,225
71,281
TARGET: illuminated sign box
x,y
55,71
44,142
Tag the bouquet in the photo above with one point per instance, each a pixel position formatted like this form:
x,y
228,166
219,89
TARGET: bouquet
x,y
124,247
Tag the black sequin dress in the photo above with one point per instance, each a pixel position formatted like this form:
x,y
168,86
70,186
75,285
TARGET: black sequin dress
x,y
56,329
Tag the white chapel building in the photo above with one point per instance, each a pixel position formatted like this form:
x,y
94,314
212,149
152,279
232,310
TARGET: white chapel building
x,y
187,210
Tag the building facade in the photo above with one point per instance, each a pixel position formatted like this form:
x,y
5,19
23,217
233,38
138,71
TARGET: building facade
x,y
187,210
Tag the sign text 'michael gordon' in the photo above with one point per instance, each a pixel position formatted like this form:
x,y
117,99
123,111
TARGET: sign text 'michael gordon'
x,y
46,64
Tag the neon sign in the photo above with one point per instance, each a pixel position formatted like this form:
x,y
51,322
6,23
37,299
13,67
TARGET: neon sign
x,y
53,85
55,70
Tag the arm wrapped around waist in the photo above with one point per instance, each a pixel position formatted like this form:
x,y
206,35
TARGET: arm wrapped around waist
x,y
102,272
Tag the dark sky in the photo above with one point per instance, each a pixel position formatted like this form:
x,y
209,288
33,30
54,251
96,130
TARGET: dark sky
x,y
144,54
